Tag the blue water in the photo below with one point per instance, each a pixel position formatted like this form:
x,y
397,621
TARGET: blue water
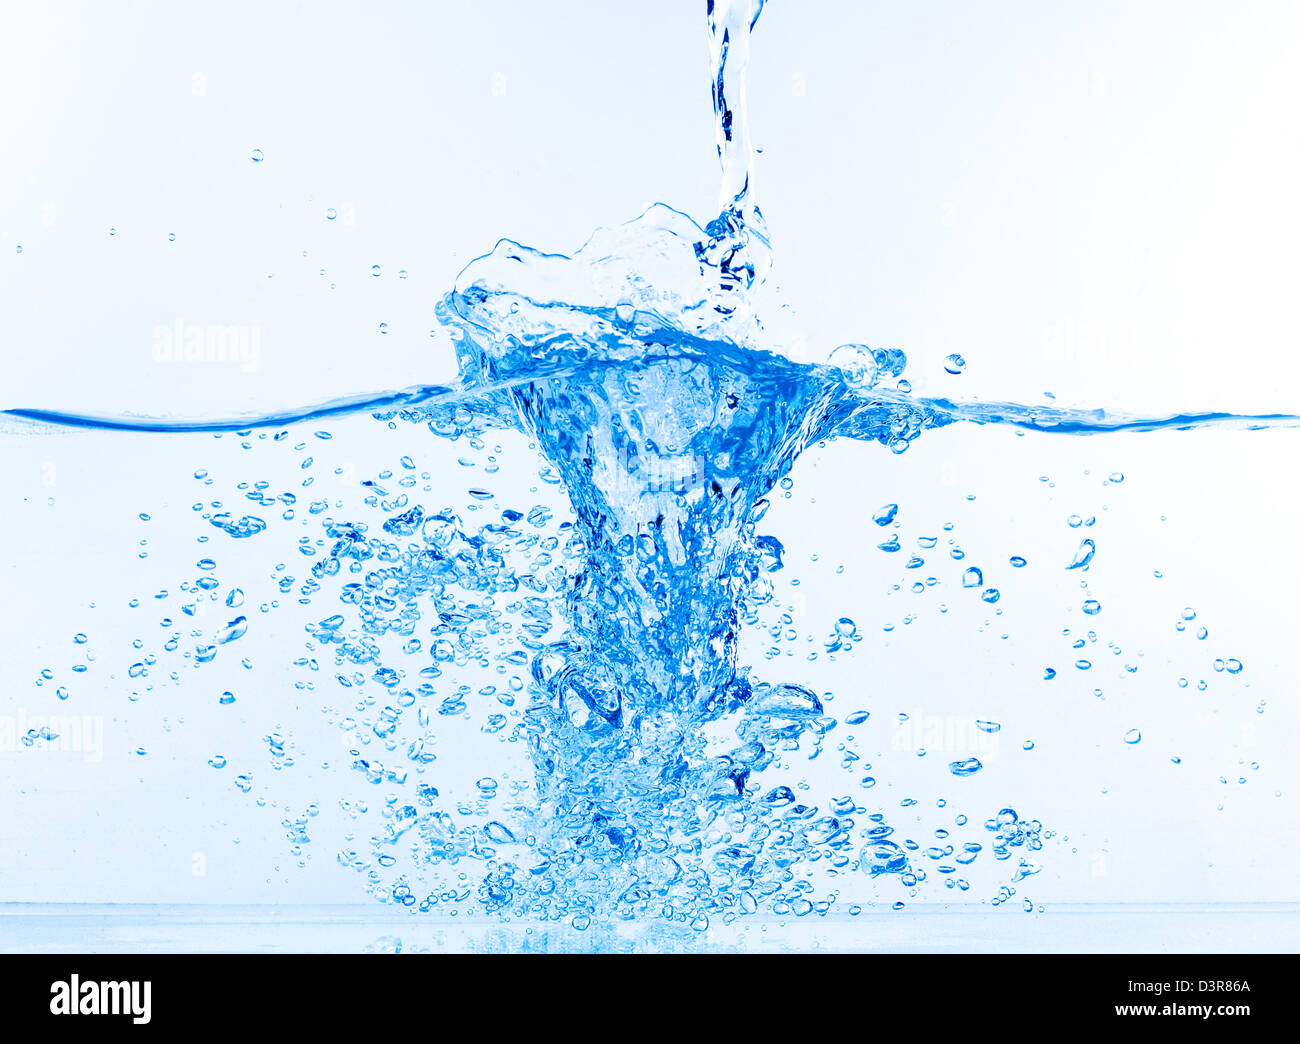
x,y
666,780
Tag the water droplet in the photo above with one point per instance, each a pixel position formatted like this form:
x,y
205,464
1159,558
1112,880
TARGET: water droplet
x,y
240,529
784,701
779,796
1133,736
1083,555
882,857
885,515
237,628
973,577
965,767
1092,607
257,156
499,833
857,365
954,364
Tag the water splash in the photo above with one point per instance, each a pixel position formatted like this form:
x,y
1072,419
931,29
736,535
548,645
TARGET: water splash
x,y
738,247
668,414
